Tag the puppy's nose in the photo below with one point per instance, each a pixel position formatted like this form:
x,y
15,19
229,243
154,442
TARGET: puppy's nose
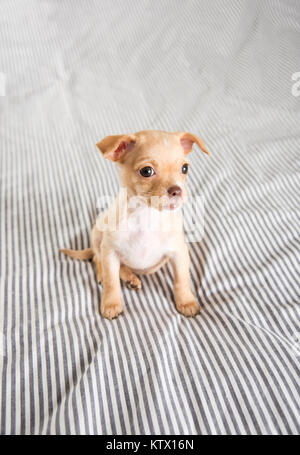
x,y
174,191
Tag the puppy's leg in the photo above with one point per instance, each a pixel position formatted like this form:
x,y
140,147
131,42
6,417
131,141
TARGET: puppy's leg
x,y
185,301
98,267
96,239
129,278
111,302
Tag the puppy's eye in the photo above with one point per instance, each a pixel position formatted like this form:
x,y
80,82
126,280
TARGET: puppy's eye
x,y
147,171
185,168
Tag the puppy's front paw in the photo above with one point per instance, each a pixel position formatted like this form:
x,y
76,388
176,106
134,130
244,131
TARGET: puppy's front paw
x,y
188,308
111,310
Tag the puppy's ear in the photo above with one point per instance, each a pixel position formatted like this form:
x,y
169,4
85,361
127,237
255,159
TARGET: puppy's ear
x,y
115,148
188,139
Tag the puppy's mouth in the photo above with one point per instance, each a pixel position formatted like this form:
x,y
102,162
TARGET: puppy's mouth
x,y
173,204
163,202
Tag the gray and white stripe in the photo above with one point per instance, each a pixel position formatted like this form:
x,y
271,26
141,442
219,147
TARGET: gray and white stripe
x,y
77,71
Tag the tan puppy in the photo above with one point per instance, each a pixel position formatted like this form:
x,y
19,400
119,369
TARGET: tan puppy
x,y
142,229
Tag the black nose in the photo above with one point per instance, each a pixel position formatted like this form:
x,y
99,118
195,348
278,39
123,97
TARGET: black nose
x,y
174,191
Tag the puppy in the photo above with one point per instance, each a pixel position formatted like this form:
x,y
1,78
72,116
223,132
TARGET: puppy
x,y
142,230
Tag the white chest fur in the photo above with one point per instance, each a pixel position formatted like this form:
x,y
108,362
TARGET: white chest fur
x,y
144,238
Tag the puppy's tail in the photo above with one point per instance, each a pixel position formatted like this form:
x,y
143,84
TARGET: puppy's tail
x,y
82,255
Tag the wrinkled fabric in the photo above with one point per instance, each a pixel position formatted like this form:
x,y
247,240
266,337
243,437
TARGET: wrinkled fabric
x,y
74,72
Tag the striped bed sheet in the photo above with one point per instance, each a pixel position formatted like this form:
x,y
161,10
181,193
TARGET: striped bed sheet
x,y
74,72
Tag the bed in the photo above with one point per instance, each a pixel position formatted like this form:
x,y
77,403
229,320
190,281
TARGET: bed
x,y
74,72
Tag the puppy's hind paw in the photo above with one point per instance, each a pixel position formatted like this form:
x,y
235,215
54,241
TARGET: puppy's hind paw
x,y
134,284
129,278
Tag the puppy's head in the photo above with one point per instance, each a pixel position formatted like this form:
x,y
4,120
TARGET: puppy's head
x,y
153,164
